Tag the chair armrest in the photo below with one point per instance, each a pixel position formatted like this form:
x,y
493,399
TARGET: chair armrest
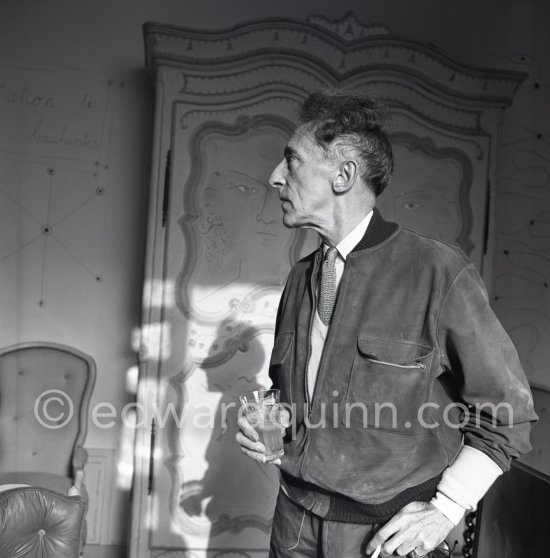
x,y
80,457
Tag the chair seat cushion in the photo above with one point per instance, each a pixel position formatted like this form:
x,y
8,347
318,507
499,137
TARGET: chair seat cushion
x,y
36,523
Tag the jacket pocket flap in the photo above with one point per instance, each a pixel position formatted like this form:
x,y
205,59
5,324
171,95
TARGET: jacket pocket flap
x,y
281,347
389,351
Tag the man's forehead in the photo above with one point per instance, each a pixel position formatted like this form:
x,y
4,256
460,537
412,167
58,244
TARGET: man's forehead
x,y
302,140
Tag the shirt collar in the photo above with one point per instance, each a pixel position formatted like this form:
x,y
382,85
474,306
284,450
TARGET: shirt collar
x,y
350,241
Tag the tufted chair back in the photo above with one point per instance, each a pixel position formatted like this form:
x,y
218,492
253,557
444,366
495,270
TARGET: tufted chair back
x,y
40,523
45,390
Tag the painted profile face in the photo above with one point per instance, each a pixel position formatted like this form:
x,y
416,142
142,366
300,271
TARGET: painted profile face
x,y
243,209
244,238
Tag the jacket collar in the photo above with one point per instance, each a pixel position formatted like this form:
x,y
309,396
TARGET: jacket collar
x,y
377,231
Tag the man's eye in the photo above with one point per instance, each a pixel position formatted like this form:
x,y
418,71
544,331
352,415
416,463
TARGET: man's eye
x,y
245,189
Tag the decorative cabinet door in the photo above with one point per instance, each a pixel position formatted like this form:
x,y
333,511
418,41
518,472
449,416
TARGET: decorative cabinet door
x,y
218,254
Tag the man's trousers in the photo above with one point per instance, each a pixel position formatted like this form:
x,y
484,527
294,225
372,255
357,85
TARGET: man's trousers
x,y
298,533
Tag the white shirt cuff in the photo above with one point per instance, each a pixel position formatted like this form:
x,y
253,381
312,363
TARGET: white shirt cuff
x,y
451,510
465,482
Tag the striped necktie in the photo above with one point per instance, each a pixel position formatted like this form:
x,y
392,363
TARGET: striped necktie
x,y
327,292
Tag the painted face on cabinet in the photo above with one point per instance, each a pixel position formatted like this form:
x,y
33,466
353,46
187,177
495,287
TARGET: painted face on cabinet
x,y
425,193
241,223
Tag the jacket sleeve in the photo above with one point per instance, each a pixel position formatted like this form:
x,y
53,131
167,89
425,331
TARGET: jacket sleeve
x,y
491,387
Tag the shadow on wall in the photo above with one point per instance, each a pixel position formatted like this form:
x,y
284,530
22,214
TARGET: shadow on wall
x,y
234,491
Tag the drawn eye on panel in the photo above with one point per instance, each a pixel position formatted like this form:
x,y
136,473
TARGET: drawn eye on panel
x,y
244,189
412,205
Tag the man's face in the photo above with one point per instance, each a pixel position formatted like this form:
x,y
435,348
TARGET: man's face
x,y
304,180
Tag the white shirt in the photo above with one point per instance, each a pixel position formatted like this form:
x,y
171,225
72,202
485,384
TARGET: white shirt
x,y
319,329
468,478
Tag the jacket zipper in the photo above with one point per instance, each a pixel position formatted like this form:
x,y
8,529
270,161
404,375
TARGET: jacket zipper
x,y
412,366
311,318
306,388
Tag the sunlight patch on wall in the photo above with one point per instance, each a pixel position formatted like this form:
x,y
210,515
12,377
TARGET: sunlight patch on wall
x,y
152,341
159,293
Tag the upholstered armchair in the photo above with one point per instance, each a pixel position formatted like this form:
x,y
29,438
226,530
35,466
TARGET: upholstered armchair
x,y
45,390
36,522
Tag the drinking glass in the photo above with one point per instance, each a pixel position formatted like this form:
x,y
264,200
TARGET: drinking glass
x,y
261,409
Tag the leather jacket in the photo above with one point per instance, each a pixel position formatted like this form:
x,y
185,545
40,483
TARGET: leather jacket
x,y
415,364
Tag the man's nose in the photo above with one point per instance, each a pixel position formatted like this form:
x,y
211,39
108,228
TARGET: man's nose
x,y
277,178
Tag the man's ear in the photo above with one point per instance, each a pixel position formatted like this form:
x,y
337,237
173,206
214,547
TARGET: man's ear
x,y
345,177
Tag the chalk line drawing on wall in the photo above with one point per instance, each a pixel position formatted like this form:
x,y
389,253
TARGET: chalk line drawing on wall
x,y
54,164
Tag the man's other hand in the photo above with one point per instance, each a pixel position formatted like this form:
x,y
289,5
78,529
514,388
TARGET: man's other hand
x,y
418,526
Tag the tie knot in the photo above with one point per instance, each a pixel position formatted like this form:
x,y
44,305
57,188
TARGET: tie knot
x,y
331,255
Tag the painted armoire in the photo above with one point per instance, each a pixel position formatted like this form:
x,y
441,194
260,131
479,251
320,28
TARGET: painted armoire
x,y
218,254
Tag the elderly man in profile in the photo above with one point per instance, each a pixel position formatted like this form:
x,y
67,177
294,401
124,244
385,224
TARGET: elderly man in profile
x,y
407,397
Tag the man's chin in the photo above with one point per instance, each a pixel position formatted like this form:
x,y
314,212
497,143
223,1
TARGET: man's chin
x,y
288,221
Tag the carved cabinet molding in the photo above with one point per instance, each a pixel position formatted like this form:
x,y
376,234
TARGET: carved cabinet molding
x,y
218,255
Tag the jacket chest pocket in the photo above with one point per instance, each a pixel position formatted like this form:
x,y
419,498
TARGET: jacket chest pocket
x,y
388,385
280,365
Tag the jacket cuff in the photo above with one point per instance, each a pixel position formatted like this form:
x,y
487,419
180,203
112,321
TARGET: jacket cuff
x,y
465,481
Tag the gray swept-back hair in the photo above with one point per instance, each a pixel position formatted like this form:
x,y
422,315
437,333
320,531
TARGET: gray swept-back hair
x,y
343,121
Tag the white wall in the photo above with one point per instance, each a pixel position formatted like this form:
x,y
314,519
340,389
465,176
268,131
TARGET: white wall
x,y
104,38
